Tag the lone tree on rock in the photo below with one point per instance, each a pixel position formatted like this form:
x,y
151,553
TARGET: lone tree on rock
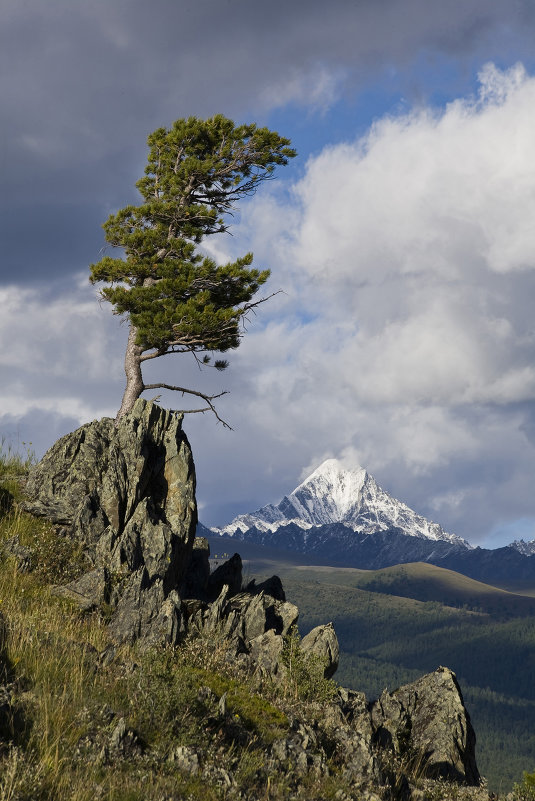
x,y
178,300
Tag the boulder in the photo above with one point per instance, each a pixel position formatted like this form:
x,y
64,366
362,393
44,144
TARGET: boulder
x,y
323,643
265,651
427,722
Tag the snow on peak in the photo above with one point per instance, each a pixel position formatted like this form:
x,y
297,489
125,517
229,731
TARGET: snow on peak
x,y
330,493
335,494
525,548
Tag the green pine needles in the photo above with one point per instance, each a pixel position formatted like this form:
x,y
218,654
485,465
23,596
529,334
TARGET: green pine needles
x,y
177,299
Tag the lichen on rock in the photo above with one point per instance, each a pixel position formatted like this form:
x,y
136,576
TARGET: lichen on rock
x,y
127,493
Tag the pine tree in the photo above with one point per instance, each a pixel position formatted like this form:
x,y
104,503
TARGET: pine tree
x,y
177,299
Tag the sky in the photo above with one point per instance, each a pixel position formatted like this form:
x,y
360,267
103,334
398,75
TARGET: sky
x,y
402,239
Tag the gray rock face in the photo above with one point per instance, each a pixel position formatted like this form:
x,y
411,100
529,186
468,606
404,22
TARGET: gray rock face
x,y
240,622
128,494
428,719
195,584
229,573
323,643
420,730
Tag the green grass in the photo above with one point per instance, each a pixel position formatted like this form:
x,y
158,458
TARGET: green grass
x,y
13,462
398,623
68,697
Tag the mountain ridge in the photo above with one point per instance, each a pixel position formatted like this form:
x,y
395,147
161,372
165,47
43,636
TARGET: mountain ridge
x,y
343,517
333,494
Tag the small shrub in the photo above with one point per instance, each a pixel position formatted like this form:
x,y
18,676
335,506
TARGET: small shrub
x,y
305,679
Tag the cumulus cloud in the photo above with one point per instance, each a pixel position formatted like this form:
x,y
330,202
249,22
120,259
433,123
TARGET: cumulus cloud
x,y
420,236
404,338
60,359
405,334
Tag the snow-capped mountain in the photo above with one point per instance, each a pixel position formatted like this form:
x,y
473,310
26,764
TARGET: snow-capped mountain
x,y
333,494
525,548
342,517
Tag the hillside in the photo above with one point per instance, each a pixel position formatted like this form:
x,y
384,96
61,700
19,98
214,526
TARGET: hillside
x,y
426,582
130,670
388,638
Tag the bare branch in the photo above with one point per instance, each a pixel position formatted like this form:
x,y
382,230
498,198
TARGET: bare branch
x,y
207,398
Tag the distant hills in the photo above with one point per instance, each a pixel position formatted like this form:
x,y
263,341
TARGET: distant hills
x,y
343,517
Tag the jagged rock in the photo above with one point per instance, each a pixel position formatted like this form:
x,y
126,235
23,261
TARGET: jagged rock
x,y
229,574
265,652
144,612
271,586
429,721
195,582
128,494
146,456
186,759
422,729
323,643
22,554
347,723
244,624
300,750
89,591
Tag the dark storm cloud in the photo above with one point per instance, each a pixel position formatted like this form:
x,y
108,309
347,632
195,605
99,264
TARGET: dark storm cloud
x,y
83,84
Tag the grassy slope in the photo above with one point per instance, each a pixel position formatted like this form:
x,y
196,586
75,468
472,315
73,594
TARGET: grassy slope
x,y
69,689
485,634
68,701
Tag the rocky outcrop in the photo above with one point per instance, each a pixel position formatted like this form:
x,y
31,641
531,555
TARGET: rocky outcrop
x,y
244,623
322,643
420,731
428,721
127,494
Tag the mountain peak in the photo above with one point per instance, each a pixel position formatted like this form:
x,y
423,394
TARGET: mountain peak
x,y
329,493
331,469
525,548
335,494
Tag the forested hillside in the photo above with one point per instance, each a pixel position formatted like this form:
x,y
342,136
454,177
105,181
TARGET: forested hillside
x,y
387,640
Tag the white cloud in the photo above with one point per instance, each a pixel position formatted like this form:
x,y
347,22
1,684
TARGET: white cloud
x,y
408,257
71,335
416,235
404,341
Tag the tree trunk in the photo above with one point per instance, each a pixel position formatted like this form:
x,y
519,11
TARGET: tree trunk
x,y
134,378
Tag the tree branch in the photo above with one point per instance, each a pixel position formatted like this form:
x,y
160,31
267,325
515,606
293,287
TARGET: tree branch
x,y
207,398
